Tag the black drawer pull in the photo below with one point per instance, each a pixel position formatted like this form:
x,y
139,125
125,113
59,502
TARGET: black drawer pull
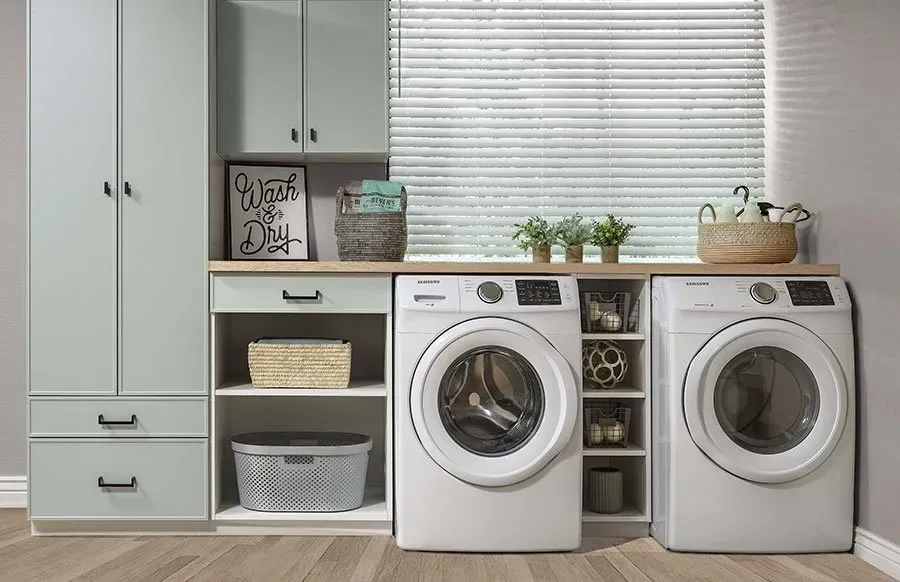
x,y
313,135
103,422
104,485
288,297
128,189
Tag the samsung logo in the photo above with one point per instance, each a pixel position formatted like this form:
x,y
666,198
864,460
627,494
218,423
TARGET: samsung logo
x,y
428,281
697,283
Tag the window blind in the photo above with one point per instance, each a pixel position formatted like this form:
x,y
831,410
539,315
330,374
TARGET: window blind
x,y
504,109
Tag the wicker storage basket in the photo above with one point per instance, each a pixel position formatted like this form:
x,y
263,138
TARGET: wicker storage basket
x,y
299,364
753,242
379,236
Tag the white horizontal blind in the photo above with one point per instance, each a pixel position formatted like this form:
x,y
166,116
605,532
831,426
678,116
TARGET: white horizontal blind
x,y
505,109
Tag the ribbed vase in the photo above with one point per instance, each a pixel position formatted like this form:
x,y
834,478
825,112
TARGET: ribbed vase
x,y
605,490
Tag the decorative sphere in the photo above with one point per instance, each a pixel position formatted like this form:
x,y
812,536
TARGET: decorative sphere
x,y
614,433
604,363
610,321
595,435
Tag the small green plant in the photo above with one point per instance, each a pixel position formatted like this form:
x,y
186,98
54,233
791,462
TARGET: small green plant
x,y
536,232
611,232
572,231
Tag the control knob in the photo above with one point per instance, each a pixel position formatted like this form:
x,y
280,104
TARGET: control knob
x,y
763,293
490,292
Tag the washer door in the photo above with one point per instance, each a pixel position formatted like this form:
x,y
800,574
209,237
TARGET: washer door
x,y
492,402
766,400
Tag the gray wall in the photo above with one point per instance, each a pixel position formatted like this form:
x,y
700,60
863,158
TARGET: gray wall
x,y
12,237
834,144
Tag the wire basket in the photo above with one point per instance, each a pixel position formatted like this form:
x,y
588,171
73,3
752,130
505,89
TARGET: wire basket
x,y
606,425
605,312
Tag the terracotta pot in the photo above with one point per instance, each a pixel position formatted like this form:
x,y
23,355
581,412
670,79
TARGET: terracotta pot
x,y
610,254
575,254
541,254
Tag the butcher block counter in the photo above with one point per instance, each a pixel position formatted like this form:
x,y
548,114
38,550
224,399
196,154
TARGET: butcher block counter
x,y
647,269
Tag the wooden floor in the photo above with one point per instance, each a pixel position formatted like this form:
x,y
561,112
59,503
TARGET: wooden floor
x,y
221,559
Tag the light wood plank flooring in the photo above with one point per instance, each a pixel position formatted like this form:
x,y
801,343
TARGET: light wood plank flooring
x,y
266,559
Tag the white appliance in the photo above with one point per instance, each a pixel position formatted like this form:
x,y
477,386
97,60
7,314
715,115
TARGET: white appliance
x,y
754,424
487,410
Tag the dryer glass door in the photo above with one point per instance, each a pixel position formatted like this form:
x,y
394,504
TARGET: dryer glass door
x,y
766,400
493,402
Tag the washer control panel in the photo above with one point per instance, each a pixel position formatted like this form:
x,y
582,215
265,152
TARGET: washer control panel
x,y
808,293
538,292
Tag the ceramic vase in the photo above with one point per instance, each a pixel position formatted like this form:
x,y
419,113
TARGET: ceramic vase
x,y
610,254
575,253
540,254
605,490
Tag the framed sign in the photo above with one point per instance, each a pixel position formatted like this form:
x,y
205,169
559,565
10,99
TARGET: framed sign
x,y
267,212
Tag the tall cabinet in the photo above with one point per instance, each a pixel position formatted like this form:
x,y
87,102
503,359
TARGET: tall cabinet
x,y
118,179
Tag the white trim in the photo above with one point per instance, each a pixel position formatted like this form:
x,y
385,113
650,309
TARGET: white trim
x,y
13,492
877,551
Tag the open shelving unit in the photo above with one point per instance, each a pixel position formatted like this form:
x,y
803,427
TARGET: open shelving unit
x,y
634,393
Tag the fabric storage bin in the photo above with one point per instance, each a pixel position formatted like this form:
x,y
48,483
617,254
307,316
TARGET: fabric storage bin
x,y
299,363
301,471
378,236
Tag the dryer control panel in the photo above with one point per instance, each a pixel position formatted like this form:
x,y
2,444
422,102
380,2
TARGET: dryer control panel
x,y
762,295
813,292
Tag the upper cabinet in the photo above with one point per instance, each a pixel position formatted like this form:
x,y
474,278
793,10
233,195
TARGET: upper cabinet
x,y
346,76
302,76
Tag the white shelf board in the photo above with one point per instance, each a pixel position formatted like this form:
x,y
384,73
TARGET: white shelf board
x,y
373,509
612,336
628,514
632,450
615,394
375,388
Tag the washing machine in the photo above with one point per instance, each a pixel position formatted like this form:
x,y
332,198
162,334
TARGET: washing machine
x,y
753,420
487,434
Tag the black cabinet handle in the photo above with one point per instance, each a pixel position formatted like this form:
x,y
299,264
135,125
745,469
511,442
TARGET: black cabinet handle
x,y
107,189
313,135
127,188
103,422
104,485
288,297
295,135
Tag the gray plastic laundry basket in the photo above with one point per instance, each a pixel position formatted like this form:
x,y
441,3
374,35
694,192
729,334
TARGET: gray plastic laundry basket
x,y
301,471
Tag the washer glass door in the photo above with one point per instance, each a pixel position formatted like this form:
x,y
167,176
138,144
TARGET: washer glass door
x,y
492,401
766,400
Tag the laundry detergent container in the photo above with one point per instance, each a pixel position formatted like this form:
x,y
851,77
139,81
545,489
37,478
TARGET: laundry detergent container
x,y
301,471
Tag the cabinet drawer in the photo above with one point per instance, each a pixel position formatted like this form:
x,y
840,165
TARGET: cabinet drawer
x,y
119,417
145,479
301,294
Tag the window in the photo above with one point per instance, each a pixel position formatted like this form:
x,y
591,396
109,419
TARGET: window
x,y
505,109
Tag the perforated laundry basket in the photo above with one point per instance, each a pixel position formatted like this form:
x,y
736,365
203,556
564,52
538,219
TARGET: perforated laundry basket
x,y
301,471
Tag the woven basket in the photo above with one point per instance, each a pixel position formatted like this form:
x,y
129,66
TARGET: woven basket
x,y
748,242
379,236
293,365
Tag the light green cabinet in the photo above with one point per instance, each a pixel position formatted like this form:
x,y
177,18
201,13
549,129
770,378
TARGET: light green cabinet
x,y
302,76
346,75
259,83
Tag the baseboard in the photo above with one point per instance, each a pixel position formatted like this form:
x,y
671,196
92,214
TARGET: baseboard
x,y
877,551
13,492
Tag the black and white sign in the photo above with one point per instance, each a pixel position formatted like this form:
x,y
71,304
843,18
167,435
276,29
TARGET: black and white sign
x,y
267,210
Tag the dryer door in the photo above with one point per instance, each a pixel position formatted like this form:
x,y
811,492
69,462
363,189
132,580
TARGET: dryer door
x,y
766,400
493,402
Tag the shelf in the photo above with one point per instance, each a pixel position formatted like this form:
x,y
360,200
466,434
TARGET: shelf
x,y
631,450
375,388
373,509
629,514
617,393
613,336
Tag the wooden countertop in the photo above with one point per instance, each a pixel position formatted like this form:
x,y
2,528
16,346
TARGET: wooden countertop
x,y
790,269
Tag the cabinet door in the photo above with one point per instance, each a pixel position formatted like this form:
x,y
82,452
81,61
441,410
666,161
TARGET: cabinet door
x,y
259,76
163,220
72,231
346,76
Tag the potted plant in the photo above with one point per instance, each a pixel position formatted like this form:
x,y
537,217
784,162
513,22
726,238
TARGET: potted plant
x,y
536,234
608,235
572,233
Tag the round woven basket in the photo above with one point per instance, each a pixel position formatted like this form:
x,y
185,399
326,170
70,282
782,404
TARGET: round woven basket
x,y
749,242
379,236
